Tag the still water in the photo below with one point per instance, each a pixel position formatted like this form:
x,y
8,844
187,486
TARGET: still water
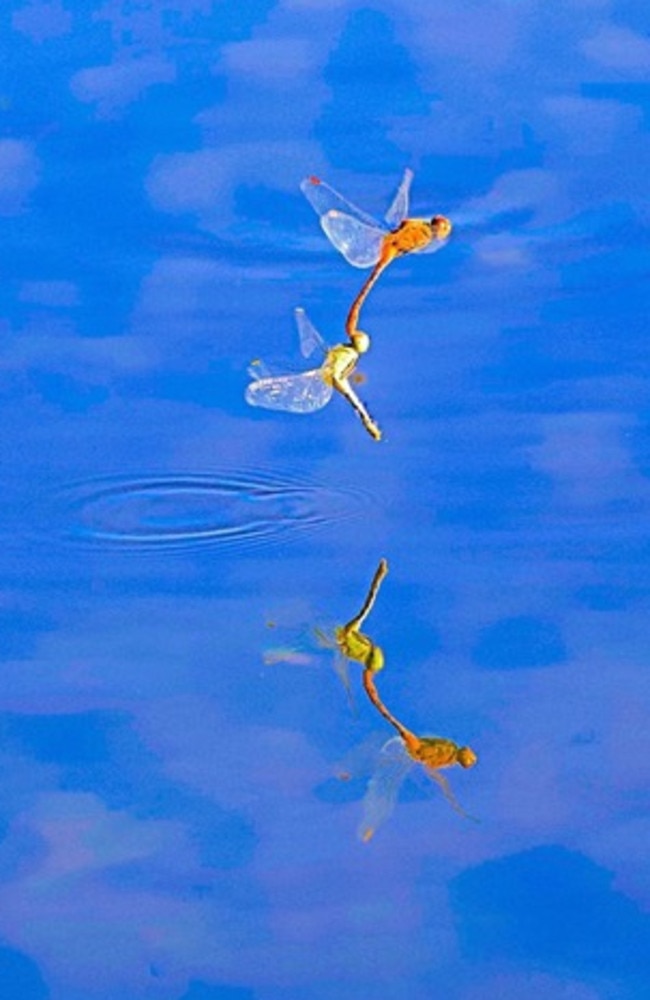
x,y
174,818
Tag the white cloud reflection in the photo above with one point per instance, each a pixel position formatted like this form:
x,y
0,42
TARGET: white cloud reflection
x,y
20,169
621,49
42,19
118,85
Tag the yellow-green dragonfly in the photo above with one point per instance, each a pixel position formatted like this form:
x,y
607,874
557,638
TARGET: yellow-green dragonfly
x,y
348,643
312,390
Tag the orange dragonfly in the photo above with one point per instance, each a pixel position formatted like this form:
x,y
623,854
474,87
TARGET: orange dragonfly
x,y
368,242
397,758
308,391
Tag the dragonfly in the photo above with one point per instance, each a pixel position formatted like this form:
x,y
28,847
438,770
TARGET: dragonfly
x,y
348,642
398,756
368,242
309,391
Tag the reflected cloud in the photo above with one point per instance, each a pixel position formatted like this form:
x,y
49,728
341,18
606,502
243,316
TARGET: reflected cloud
x,y
269,60
116,86
593,127
20,169
50,293
42,19
590,460
620,49
205,182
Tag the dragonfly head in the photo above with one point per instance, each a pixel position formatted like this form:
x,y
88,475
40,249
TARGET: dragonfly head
x,y
466,757
441,227
360,341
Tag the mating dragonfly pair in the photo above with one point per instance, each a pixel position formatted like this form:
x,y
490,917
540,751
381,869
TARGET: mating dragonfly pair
x,y
406,750
364,242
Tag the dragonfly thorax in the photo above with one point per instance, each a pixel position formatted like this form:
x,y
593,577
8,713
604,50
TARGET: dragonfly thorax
x,y
411,236
339,363
434,751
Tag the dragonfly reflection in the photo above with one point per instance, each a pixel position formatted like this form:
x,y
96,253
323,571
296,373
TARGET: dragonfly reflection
x,y
348,642
312,390
368,242
396,759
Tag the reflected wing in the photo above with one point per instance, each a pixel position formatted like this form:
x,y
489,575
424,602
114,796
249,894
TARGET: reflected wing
x,y
326,639
441,780
342,667
310,338
324,199
399,208
383,788
359,243
294,393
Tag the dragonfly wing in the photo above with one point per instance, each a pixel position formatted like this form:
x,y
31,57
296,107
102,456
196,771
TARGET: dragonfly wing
x,y
433,246
324,199
293,393
359,243
342,668
383,788
399,207
310,338
259,370
441,780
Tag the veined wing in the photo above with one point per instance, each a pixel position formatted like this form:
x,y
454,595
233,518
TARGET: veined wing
x,y
324,199
359,242
294,393
434,246
399,207
326,639
383,788
342,668
310,338
441,780
259,369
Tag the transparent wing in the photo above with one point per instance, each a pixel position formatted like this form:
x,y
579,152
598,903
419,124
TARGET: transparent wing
x,y
258,370
324,199
359,243
441,780
383,788
294,393
326,639
342,668
434,246
399,208
310,338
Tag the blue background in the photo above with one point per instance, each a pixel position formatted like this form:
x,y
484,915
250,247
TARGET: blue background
x,y
171,822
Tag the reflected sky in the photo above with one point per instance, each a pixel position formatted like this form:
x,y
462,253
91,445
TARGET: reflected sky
x,y
171,823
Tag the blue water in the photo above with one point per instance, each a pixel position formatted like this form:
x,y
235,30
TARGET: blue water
x,y
173,821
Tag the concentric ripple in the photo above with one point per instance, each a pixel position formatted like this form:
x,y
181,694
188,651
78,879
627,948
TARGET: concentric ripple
x,y
162,512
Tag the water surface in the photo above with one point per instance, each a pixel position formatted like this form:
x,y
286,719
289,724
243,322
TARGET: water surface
x,y
172,824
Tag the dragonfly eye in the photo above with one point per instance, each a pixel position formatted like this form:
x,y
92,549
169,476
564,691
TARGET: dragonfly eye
x,y
466,757
441,227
